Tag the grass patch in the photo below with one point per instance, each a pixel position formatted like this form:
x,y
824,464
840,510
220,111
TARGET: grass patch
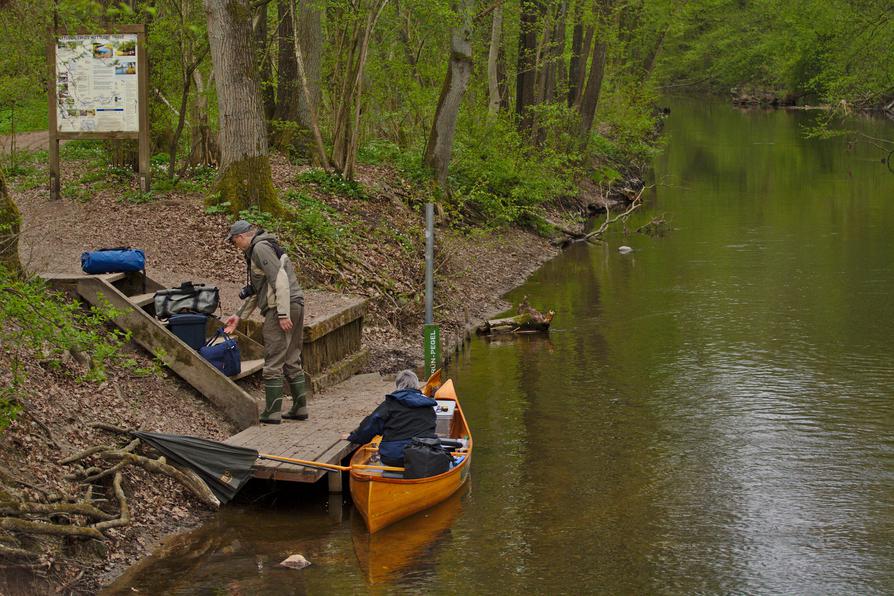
x,y
30,115
83,150
333,183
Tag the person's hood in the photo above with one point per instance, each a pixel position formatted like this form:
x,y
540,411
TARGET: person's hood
x,y
261,236
412,398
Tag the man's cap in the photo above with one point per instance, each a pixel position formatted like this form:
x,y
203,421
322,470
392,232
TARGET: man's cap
x,y
239,227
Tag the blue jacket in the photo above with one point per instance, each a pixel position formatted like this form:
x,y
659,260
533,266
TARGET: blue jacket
x,y
404,414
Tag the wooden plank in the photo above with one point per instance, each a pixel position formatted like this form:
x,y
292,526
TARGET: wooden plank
x,y
352,311
249,367
142,300
53,126
108,28
143,109
111,277
237,405
332,413
96,136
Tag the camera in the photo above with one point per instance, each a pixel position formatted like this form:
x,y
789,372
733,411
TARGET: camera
x,y
246,291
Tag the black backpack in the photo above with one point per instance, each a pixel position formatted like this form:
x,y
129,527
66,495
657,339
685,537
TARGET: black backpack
x,y
425,457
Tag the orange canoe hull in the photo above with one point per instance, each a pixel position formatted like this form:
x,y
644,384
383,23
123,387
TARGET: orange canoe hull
x,y
383,501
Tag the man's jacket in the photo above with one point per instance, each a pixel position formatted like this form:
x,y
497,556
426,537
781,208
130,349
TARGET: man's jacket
x,y
404,414
272,276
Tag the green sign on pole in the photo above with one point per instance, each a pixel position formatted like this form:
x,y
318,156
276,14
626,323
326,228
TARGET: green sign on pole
x,y
431,348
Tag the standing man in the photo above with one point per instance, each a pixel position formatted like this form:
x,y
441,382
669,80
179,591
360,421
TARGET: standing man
x,y
273,288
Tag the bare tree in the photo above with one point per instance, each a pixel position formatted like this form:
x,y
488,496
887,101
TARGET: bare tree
x,y
244,179
294,103
357,32
590,99
459,71
493,82
310,38
526,73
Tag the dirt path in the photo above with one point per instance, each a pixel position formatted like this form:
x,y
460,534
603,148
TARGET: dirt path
x,y
27,141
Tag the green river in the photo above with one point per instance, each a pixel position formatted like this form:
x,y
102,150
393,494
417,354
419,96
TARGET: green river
x,y
711,413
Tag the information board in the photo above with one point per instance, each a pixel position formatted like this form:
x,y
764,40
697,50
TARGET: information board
x,y
96,83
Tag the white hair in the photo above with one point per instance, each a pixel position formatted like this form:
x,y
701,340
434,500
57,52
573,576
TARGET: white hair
x,y
407,379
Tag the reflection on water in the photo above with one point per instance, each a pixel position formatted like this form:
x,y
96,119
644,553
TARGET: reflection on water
x,y
711,413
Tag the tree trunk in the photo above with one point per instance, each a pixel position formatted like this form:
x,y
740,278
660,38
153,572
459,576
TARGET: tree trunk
x,y
262,47
652,57
203,141
459,71
10,224
403,31
556,79
594,86
310,38
493,83
526,74
244,179
574,65
580,74
287,86
352,134
322,159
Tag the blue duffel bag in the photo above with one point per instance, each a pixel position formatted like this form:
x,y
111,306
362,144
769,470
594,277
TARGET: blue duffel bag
x,y
113,260
224,356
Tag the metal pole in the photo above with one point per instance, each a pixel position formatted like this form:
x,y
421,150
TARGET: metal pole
x,y
429,262
431,333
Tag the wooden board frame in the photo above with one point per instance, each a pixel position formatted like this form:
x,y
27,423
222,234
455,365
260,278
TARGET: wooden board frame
x,y
142,135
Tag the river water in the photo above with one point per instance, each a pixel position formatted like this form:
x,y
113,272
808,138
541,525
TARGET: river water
x,y
711,413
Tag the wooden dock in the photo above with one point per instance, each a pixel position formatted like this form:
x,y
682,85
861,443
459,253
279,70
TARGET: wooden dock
x,y
333,412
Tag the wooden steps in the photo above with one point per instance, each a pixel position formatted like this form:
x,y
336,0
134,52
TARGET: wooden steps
x,y
231,399
143,300
249,367
332,350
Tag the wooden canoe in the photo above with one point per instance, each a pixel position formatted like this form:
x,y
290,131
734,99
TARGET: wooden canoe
x,y
382,500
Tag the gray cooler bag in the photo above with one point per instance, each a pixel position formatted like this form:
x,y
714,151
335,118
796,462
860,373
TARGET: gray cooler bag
x,y
189,297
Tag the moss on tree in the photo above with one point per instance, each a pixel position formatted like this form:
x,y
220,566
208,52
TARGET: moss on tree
x,y
10,224
246,183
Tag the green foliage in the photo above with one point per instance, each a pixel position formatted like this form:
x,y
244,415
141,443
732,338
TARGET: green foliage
x,y
498,178
809,50
43,322
29,113
333,183
84,150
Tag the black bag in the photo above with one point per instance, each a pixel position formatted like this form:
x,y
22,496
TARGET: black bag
x,y
425,457
189,297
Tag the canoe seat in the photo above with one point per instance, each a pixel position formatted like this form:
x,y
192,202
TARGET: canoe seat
x,y
387,474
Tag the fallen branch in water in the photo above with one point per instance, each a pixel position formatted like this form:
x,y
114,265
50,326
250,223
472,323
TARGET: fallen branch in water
x,y
635,204
528,320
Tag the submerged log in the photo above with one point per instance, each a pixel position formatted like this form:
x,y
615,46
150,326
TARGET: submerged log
x,y
528,320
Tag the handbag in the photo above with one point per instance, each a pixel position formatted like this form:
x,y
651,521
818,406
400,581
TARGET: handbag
x,y
189,297
224,355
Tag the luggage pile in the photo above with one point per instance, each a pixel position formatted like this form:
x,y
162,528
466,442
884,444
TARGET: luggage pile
x,y
185,309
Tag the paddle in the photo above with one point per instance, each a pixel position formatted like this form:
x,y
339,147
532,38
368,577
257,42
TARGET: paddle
x,y
324,466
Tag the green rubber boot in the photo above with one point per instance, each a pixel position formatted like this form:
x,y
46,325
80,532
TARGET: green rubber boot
x,y
273,394
298,411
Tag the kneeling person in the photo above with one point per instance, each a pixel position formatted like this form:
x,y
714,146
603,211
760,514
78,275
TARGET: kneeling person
x,y
405,413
